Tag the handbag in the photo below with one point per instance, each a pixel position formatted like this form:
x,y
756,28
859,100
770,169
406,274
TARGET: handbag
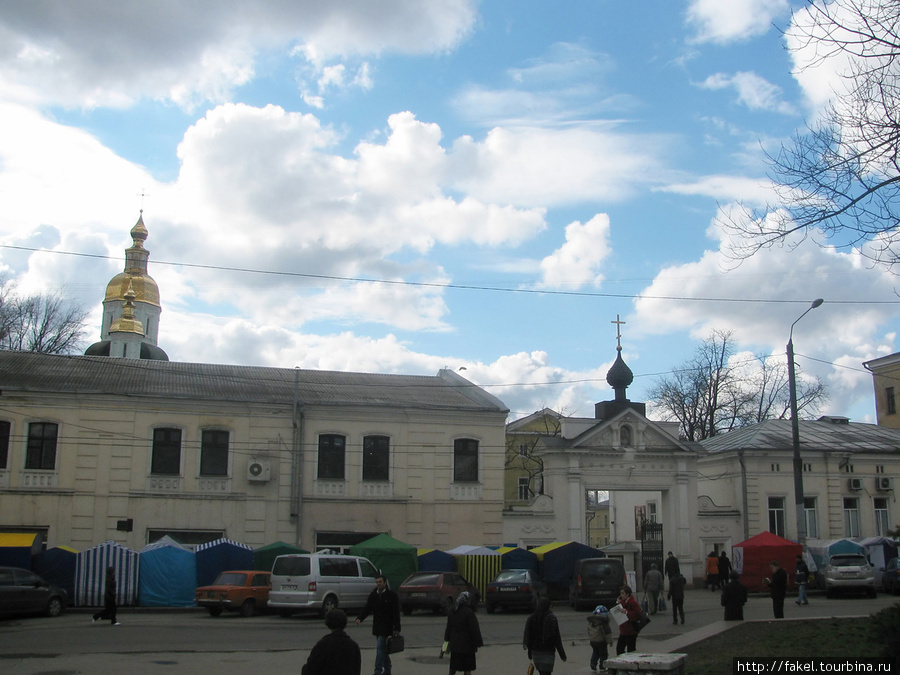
x,y
395,644
645,606
641,621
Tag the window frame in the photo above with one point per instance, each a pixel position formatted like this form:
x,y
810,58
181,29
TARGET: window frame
x,y
882,512
523,488
812,518
211,452
159,448
41,445
376,462
890,401
776,515
329,457
5,433
465,460
850,509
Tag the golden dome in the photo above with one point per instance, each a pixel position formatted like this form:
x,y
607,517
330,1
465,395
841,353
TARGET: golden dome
x,y
145,288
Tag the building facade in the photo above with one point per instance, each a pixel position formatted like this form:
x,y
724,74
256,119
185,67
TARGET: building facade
x,y
886,378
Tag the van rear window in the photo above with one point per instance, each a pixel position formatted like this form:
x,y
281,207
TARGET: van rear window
x,y
291,567
597,570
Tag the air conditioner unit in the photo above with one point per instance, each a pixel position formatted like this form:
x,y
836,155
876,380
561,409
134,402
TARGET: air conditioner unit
x,y
884,483
855,484
259,471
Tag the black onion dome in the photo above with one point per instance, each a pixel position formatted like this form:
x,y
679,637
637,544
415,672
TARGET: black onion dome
x,y
620,375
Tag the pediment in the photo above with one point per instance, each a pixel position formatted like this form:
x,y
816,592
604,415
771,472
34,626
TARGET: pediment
x,y
613,434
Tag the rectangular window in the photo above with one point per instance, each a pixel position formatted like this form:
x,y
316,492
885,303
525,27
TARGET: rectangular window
x,y
4,444
41,452
331,457
376,458
524,490
465,460
851,517
651,512
214,452
882,517
891,401
776,515
166,451
812,522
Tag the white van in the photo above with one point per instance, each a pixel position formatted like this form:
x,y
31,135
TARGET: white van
x,y
320,582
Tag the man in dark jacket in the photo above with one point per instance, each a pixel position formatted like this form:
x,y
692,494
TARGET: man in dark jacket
x,y
676,595
671,568
777,588
734,597
336,653
384,606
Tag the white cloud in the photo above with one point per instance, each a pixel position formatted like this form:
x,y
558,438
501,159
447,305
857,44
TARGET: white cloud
x,y
577,262
753,91
732,21
756,191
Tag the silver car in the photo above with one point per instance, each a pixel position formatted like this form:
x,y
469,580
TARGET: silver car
x,y
849,572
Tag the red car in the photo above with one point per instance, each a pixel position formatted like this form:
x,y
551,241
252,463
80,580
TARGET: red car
x,y
244,591
436,591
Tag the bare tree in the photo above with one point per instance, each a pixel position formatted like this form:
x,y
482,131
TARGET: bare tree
x,y
40,323
710,394
841,175
522,442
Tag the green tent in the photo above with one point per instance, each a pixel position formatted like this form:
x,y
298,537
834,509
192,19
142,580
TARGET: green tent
x,y
395,559
264,558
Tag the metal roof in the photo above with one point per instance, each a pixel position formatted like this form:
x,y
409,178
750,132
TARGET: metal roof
x,y
29,371
824,434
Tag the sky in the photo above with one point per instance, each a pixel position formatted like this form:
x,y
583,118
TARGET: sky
x,y
408,185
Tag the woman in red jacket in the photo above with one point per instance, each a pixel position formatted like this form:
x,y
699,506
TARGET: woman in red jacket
x,y
627,632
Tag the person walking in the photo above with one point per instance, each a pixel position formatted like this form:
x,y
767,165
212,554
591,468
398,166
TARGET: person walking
x,y
777,588
109,599
336,653
676,596
671,566
599,635
724,569
384,606
801,577
712,571
734,597
627,641
653,585
542,638
463,635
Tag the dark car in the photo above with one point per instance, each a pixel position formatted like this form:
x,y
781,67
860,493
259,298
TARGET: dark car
x,y
24,592
596,581
244,591
890,580
514,588
436,591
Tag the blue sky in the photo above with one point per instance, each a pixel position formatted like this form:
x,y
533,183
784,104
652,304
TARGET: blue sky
x,y
523,172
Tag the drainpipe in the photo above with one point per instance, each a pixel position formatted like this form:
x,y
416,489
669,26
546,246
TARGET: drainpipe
x,y
296,459
744,493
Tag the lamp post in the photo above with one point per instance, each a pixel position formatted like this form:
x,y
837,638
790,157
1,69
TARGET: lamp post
x,y
795,432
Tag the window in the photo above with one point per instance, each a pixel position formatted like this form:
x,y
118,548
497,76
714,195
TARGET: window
x,y
812,523
851,517
651,512
891,401
523,450
167,451
41,452
465,460
882,517
331,457
214,452
524,491
376,458
4,444
625,436
776,515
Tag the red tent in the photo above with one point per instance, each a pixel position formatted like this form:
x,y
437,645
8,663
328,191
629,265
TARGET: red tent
x,y
751,559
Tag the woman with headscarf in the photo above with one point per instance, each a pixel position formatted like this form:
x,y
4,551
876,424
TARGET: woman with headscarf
x,y
463,636
542,638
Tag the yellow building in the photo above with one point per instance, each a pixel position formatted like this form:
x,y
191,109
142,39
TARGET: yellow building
x,y
886,378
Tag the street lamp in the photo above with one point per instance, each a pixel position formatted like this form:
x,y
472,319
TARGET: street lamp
x,y
795,432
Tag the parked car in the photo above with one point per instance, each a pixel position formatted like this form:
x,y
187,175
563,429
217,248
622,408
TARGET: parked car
x,y
436,591
890,580
514,588
596,581
320,582
849,572
24,592
244,591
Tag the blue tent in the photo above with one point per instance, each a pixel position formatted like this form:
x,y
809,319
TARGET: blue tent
x,y
57,565
556,562
90,574
512,558
219,556
17,549
168,575
432,560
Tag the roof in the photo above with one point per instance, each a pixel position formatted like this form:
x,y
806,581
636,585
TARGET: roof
x,y
34,372
825,435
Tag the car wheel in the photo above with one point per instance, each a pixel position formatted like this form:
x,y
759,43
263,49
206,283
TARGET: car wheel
x,y
490,608
329,603
54,607
407,610
248,607
215,611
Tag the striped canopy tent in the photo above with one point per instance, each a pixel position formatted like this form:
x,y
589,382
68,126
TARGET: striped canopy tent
x,y
514,558
556,562
433,560
90,574
264,557
219,556
57,565
168,574
17,549
478,564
